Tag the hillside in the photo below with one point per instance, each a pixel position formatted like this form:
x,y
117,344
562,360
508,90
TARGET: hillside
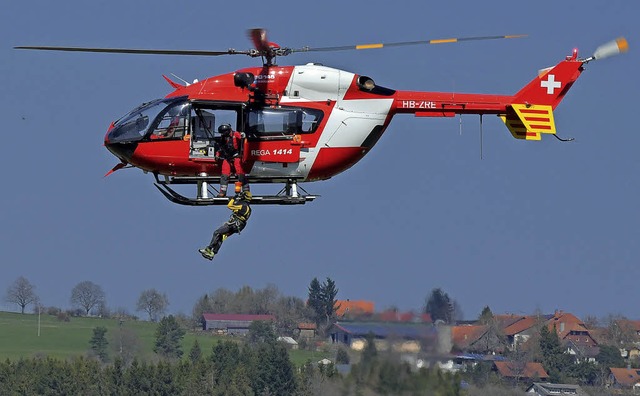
x,y
59,339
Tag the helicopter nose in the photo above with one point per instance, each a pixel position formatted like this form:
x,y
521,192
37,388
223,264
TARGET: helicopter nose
x,y
124,151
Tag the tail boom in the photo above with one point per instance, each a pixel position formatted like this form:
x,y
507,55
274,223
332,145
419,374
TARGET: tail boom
x,y
528,114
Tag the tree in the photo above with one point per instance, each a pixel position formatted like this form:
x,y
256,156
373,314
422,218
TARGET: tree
x,y
609,356
169,334
554,359
329,293
21,292
486,316
195,354
314,302
99,343
322,301
620,331
440,306
87,295
153,303
125,344
289,312
261,331
342,356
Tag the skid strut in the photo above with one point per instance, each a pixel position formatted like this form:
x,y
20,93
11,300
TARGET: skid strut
x,y
289,195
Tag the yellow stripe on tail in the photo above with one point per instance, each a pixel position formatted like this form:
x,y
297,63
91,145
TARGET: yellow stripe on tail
x,y
528,122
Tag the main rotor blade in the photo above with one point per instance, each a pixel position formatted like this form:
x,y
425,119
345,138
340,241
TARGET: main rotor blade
x,y
405,43
230,51
259,38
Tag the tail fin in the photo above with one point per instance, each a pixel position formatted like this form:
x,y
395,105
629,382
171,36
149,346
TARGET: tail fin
x,y
531,112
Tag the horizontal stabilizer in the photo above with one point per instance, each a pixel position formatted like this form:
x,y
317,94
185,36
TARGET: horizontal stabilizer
x,y
528,122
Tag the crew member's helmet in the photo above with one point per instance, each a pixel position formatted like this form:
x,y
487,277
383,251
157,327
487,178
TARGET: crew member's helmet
x,y
224,129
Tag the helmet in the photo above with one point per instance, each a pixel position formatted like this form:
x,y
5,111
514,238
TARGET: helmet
x,y
224,129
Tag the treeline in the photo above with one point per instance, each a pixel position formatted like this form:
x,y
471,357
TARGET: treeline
x,y
289,311
231,369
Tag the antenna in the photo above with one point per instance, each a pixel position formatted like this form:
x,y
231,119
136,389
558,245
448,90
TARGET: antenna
x,y
184,81
481,157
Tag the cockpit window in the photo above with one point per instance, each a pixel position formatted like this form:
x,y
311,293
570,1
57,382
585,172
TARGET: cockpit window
x,y
135,125
173,122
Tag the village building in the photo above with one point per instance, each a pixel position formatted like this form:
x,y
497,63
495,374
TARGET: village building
x,y
547,389
306,330
402,337
236,324
624,378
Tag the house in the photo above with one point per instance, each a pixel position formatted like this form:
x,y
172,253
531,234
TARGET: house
x,y
520,371
547,389
403,337
231,323
582,353
628,378
466,361
306,330
467,338
521,329
570,328
353,308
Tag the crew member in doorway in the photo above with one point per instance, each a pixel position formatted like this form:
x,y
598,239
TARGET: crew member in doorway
x,y
241,210
228,150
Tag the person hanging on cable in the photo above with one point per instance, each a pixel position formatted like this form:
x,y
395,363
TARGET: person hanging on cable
x,y
228,149
241,210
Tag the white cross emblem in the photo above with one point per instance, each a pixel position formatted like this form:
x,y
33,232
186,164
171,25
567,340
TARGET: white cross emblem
x,y
550,84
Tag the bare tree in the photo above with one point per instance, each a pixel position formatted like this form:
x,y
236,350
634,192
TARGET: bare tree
x,y
87,295
153,303
125,343
265,299
21,292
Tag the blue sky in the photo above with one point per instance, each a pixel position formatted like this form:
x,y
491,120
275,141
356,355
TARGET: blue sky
x,y
531,226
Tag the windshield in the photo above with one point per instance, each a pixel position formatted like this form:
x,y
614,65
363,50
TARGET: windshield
x,y
135,125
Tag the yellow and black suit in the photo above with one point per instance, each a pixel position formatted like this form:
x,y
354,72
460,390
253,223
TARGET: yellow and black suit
x,y
240,214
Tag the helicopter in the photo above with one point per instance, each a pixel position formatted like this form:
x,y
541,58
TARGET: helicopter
x,y
303,123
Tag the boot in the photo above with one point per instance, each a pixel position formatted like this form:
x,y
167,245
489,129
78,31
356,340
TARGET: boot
x,y
207,253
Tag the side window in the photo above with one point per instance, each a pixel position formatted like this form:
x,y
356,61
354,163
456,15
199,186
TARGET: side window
x,y
310,120
283,122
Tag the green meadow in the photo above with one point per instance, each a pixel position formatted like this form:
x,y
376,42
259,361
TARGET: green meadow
x,y
26,336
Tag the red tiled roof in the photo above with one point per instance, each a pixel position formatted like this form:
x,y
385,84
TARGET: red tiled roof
x,y
525,323
354,307
395,316
241,317
626,376
463,336
507,320
565,323
512,370
306,326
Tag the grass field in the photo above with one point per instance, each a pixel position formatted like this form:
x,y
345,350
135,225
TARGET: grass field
x,y
58,339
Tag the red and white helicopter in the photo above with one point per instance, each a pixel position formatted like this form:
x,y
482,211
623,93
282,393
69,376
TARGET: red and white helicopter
x,y
303,123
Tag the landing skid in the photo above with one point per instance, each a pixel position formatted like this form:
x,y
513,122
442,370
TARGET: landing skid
x,y
289,195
